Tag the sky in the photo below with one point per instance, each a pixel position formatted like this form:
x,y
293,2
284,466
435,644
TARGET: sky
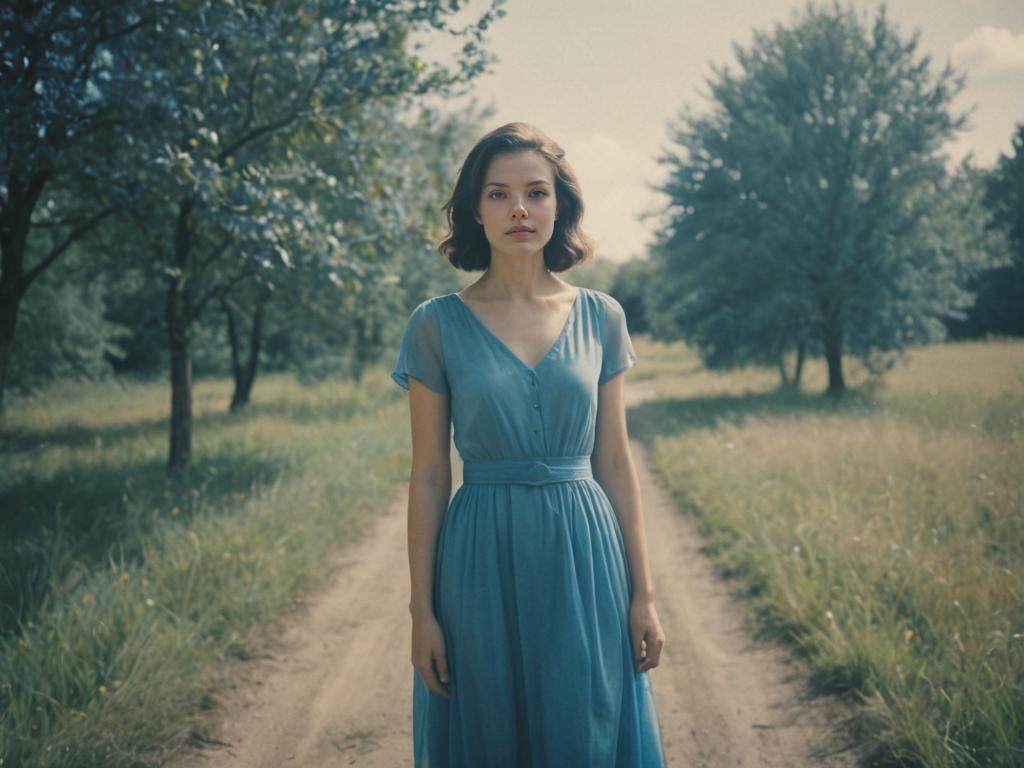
x,y
605,79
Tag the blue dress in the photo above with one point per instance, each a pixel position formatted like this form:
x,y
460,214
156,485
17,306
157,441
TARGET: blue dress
x,y
531,585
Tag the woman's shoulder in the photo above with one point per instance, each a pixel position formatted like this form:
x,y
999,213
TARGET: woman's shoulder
x,y
432,306
605,301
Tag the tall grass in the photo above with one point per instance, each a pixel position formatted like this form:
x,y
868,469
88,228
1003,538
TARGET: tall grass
x,y
124,592
883,536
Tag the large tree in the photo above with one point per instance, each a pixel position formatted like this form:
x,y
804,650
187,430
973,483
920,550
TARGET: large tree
x,y
809,208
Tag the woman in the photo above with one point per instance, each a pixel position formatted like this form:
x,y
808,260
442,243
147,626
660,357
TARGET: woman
x,y
533,615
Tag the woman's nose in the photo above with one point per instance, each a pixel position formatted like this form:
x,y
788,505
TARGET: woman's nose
x,y
519,208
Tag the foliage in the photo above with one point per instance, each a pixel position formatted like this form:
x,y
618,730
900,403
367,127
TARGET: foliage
x,y
231,139
60,99
999,308
810,208
64,334
633,284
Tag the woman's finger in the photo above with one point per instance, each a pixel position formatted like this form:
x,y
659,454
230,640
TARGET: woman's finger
x,y
653,653
442,666
430,679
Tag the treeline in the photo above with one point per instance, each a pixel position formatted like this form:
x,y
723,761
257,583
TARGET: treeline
x,y
220,185
812,214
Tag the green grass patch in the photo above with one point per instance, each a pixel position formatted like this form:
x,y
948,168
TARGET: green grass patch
x,y
882,535
124,592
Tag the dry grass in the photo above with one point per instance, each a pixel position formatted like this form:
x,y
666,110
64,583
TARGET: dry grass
x,y
883,535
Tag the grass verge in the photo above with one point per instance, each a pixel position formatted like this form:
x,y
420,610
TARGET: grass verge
x,y
883,536
131,590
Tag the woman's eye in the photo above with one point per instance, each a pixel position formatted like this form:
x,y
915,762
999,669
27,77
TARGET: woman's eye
x,y
540,192
495,192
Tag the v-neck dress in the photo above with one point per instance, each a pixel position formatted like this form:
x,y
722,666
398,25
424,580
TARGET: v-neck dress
x,y
531,583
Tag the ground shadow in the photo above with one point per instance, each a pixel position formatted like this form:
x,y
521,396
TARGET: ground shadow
x,y
75,436
84,516
674,416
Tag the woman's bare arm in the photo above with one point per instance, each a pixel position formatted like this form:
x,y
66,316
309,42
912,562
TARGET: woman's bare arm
x,y
614,470
430,484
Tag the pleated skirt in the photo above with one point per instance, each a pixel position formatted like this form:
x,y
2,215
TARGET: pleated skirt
x,y
532,592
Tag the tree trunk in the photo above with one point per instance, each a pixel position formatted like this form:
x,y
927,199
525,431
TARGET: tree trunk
x,y
245,376
801,351
834,348
179,321
9,302
15,222
792,382
781,365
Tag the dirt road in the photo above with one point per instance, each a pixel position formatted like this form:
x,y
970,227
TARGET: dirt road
x,y
337,689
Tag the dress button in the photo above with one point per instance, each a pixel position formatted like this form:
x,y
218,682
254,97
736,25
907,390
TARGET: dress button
x,y
536,405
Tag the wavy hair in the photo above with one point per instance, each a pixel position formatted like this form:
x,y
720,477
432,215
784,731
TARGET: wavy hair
x,y
466,246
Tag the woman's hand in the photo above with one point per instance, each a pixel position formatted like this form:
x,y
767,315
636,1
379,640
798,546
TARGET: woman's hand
x,y
428,647
646,633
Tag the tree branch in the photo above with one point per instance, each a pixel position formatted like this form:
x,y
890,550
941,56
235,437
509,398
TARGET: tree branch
x,y
263,130
73,235
220,290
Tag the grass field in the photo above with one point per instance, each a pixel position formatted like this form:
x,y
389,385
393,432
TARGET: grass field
x,y
124,593
883,536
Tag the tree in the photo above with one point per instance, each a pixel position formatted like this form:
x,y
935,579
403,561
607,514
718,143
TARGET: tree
x,y
999,307
809,209
61,97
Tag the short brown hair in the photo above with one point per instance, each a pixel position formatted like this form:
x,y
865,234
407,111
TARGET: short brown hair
x,y
466,246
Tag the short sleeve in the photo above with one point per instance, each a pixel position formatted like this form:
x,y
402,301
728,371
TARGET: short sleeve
x,y
420,354
619,354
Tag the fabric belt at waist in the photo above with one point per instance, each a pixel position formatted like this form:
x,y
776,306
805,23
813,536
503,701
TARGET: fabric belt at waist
x,y
530,471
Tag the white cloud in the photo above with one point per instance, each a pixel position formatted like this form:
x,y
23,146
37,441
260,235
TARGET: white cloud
x,y
988,50
614,180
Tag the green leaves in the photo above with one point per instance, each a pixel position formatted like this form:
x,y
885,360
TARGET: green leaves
x,y
800,202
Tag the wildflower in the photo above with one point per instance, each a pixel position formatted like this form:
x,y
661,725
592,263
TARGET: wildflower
x,y
796,549
124,575
103,690
88,599
150,602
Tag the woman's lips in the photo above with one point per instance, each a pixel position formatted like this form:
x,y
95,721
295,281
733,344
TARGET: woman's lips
x,y
520,232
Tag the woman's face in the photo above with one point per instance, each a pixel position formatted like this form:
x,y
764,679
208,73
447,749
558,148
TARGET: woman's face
x,y
517,205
